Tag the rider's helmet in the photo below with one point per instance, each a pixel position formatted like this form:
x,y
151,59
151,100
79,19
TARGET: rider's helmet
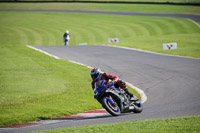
x,y
95,74
67,31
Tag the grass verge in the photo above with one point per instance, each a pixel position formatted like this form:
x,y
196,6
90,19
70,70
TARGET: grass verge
x,y
34,86
189,124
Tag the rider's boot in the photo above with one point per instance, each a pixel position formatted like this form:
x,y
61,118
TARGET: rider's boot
x,y
132,96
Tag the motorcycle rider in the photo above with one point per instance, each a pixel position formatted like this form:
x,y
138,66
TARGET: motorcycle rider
x,y
96,75
66,38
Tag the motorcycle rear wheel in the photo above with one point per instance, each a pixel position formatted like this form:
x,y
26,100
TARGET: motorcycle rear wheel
x,y
138,108
113,109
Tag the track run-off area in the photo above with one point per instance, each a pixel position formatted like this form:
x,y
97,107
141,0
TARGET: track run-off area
x,y
171,83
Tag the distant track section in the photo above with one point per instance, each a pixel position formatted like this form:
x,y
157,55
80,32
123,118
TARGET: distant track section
x,y
195,18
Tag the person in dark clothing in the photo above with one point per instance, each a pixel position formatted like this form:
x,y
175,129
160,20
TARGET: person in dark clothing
x,y
96,75
66,38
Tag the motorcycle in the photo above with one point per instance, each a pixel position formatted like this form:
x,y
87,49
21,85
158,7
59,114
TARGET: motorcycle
x,y
66,40
114,100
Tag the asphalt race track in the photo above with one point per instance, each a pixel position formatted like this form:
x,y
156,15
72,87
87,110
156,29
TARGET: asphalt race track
x,y
171,83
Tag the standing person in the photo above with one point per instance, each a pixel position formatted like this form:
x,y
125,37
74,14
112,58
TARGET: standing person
x,y
97,75
66,38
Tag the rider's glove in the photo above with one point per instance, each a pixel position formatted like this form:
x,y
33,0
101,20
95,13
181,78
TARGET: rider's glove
x,y
114,81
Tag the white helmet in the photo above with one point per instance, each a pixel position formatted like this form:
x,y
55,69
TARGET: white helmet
x,y
67,31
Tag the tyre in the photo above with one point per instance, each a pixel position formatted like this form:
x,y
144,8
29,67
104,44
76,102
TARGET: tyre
x,y
138,108
110,107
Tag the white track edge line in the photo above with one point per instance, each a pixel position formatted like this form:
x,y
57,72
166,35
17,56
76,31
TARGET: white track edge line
x,y
145,51
56,57
194,22
141,92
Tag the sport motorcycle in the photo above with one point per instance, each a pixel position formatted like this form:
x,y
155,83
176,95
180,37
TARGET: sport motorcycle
x,y
114,100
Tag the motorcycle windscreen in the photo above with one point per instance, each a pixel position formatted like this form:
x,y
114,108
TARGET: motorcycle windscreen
x,y
99,87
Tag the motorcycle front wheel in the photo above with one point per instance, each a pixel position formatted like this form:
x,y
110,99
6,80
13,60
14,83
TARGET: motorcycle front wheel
x,y
111,106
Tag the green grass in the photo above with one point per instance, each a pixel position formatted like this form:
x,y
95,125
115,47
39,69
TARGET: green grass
x,y
34,86
172,125
147,33
105,7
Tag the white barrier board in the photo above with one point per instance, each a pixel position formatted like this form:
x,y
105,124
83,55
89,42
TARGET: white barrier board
x,y
113,40
83,43
169,46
